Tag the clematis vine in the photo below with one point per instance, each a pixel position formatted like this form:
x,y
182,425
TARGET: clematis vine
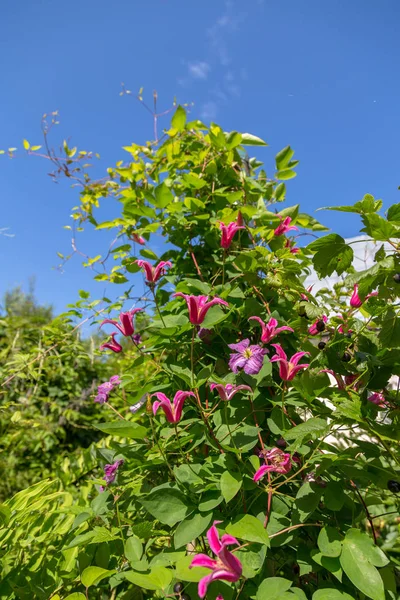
x,y
125,325
153,273
288,368
138,239
277,462
343,382
110,472
285,226
112,344
228,231
226,566
355,300
270,329
104,389
199,306
318,326
172,410
304,296
226,392
246,357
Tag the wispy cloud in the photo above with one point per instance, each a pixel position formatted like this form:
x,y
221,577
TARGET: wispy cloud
x,y
199,70
209,111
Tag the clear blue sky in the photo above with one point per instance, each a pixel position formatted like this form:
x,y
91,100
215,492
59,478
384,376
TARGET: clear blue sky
x,y
320,76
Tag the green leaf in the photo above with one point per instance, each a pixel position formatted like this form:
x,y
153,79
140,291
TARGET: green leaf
x,y
329,542
285,174
283,158
328,594
389,334
230,485
127,429
178,121
147,253
163,196
159,578
249,528
194,181
191,528
379,228
233,139
133,549
331,254
313,427
307,500
273,587
74,596
167,505
93,575
331,564
248,139
393,213
26,144
356,563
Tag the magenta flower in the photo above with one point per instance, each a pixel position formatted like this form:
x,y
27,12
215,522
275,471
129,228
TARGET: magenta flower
x,y
291,246
355,300
112,344
138,239
285,226
226,566
246,357
226,392
228,231
104,389
126,319
270,329
288,368
110,472
378,399
279,462
153,274
318,326
172,410
304,296
198,306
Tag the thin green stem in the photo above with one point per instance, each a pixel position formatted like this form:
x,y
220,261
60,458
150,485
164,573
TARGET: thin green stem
x,y
157,307
159,447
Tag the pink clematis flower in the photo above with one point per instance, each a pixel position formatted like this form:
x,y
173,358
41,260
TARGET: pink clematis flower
x,y
226,566
288,368
138,239
112,344
304,296
104,389
285,226
226,392
126,320
172,410
198,306
378,398
291,246
355,300
110,472
270,329
153,274
228,231
318,326
246,357
279,462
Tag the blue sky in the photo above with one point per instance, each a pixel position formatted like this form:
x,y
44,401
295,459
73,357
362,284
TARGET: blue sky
x,y
320,76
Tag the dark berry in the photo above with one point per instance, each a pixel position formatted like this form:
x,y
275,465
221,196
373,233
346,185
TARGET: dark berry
x,y
185,597
321,345
346,357
393,486
178,587
281,443
320,326
348,334
396,278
